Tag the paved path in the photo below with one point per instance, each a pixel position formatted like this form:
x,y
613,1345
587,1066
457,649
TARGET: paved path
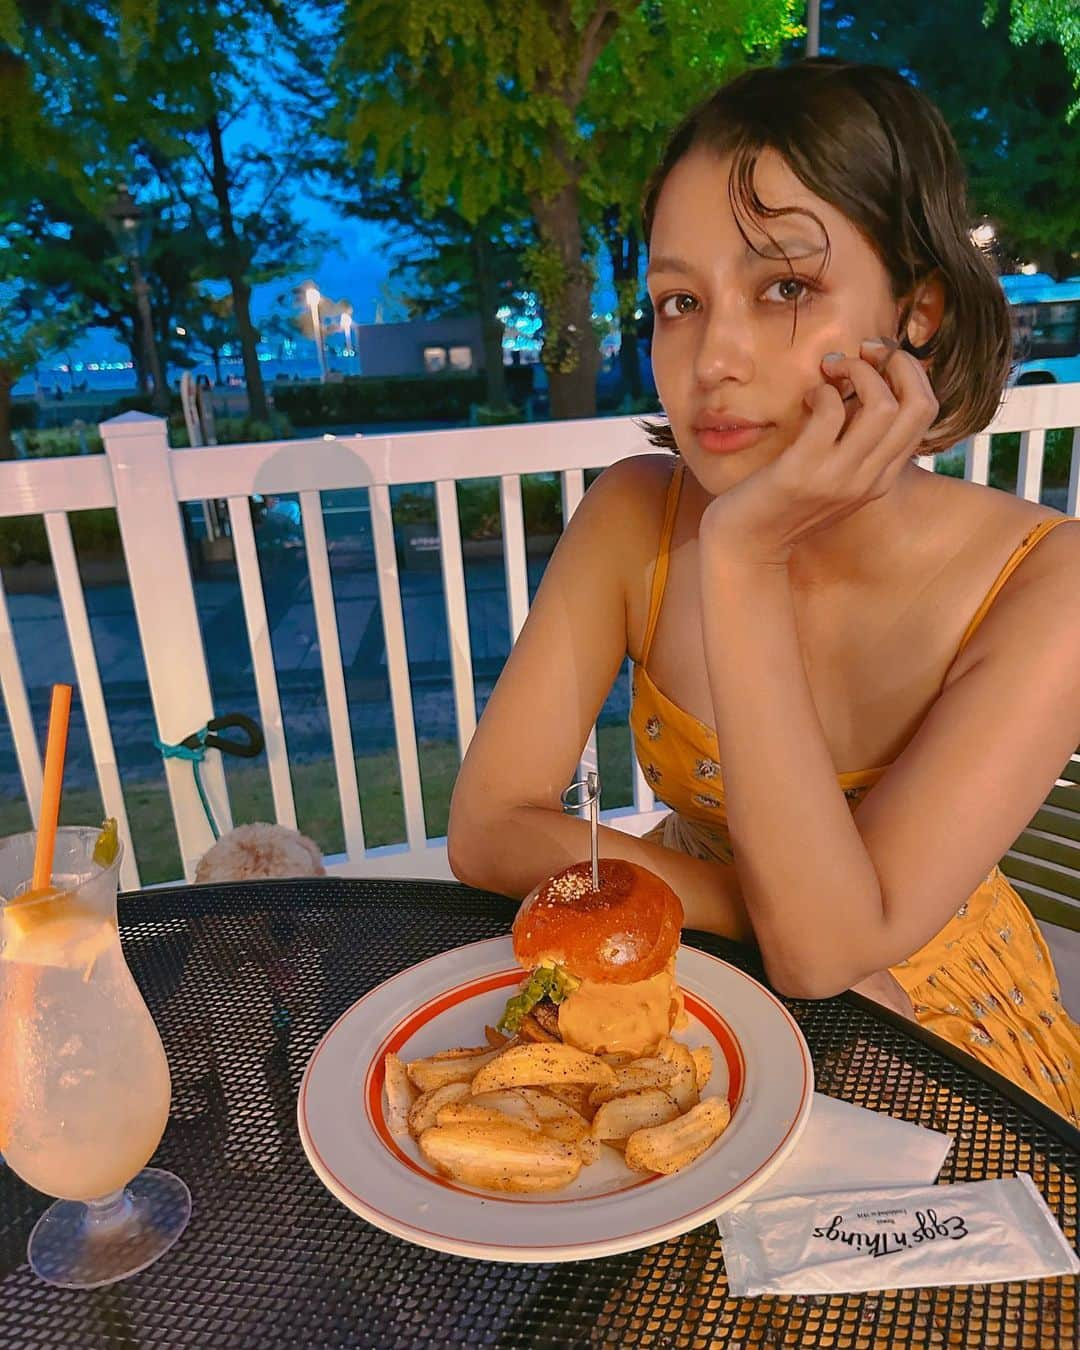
x,y
43,651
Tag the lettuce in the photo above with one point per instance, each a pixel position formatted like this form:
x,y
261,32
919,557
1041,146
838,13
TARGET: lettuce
x,y
545,982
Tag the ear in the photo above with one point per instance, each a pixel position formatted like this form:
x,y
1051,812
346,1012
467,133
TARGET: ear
x,y
927,303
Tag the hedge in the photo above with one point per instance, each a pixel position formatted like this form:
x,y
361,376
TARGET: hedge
x,y
394,398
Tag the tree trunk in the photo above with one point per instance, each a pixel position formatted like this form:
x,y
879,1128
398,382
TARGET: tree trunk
x,y
487,300
7,444
234,269
138,360
571,354
624,247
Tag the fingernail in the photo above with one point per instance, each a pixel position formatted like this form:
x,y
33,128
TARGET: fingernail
x,y
874,342
834,356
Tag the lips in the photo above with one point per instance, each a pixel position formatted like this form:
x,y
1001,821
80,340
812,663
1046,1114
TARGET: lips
x,y
726,422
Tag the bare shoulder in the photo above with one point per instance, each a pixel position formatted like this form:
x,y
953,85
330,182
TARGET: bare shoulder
x,y
626,502
1041,597
639,482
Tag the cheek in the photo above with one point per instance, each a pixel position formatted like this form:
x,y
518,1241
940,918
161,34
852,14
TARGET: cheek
x,y
671,368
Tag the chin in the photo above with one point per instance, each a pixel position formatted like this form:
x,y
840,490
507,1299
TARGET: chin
x,y
601,962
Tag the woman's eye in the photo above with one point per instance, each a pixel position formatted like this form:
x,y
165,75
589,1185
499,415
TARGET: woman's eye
x,y
675,306
791,289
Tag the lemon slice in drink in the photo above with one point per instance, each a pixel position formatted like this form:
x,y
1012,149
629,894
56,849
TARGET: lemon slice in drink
x,y
46,927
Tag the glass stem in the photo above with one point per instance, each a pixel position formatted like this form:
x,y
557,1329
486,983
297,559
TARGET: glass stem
x,y
109,1211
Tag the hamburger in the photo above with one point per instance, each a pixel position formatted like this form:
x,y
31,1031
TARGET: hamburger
x,y
601,962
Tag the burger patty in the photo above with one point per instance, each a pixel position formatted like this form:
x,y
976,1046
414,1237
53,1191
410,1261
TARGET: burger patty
x,y
547,1015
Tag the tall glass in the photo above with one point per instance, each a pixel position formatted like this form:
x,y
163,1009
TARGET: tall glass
x,y
84,1083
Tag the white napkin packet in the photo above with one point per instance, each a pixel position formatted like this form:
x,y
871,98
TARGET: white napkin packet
x,y
845,1147
845,1242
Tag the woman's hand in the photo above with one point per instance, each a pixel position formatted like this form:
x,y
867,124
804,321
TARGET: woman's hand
x,y
835,465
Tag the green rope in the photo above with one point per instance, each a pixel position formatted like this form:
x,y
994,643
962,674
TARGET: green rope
x,y
195,755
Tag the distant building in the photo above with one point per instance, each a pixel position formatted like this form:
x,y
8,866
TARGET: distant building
x,y
422,347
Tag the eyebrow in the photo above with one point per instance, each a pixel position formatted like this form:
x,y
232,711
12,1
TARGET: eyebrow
x,y
789,249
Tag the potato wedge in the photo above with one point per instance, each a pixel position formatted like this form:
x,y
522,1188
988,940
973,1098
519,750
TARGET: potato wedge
x,y
642,1073
557,1119
501,1157
496,1039
459,1052
425,1110
682,1085
513,1103
623,1116
400,1095
538,1064
575,1095
702,1058
666,1148
617,1058
468,1113
431,1073
589,1148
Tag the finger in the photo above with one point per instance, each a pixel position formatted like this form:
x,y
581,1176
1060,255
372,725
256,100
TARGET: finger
x,y
827,408
873,414
905,375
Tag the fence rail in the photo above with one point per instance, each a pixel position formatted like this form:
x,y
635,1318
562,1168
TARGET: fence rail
x,y
146,483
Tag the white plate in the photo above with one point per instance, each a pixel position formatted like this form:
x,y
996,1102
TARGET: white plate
x,y
760,1062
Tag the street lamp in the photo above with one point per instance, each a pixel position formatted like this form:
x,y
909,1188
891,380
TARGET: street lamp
x,y
128,223
313,298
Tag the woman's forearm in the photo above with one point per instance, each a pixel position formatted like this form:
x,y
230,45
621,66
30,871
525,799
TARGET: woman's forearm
x,y
806,877
530,843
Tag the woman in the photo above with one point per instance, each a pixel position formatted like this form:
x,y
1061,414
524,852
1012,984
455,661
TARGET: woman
x,y
883,660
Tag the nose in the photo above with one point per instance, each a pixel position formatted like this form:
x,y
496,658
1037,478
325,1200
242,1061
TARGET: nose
x,y
725,350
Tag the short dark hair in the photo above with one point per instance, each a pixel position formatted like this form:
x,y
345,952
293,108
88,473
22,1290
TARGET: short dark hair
x,y
865,140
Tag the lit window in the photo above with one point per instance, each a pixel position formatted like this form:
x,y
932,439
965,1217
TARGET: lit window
x,y
461,358
434,358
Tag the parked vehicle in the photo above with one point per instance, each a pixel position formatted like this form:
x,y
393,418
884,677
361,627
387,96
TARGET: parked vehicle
x,y
1046,315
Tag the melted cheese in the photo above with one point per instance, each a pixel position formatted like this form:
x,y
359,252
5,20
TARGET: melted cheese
x,y
603,1018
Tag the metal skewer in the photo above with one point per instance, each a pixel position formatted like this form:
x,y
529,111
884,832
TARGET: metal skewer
x,y
589,788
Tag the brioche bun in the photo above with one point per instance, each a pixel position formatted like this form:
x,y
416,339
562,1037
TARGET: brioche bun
x,y
626,931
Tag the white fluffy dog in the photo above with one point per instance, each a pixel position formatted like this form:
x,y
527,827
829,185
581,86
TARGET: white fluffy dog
x,y
253,851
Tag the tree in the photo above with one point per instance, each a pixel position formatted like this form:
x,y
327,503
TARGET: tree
x,y
486,101
209,327
445,264
210,70
1046,21
33,322
998,100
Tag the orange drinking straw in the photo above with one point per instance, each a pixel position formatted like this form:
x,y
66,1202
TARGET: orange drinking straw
x,y
55,749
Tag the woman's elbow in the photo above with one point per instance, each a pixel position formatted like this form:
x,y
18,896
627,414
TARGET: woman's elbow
x,y
806,982
465,858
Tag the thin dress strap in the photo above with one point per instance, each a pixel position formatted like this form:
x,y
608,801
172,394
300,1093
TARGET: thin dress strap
x,y
663,555
1018,555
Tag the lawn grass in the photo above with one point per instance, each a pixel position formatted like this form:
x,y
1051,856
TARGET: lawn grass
x,y
317,807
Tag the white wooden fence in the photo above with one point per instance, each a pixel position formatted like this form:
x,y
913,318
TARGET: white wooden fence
x,y
145,482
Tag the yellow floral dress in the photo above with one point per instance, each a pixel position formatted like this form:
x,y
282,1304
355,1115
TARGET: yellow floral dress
x,y
986,982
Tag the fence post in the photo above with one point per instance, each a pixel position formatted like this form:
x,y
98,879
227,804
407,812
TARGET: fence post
x,y
148,515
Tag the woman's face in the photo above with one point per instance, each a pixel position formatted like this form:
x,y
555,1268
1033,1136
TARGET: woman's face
x,y
722,343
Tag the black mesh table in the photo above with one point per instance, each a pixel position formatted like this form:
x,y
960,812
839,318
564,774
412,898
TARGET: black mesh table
x,y
244,980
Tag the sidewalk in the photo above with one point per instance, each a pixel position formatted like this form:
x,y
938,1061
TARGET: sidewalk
x,y
43,650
